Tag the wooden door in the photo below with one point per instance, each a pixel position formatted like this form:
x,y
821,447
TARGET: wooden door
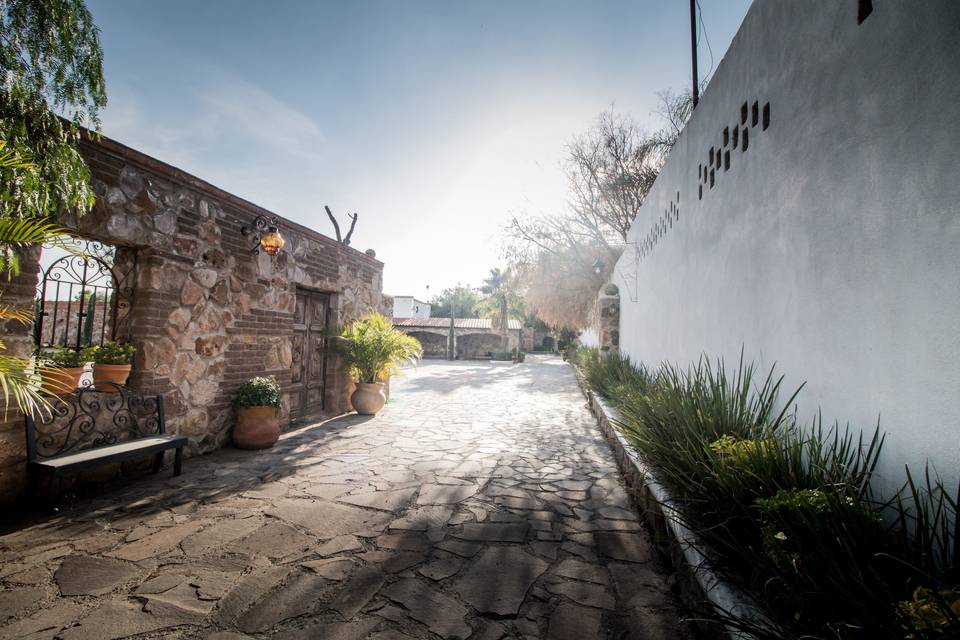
x,y
309,354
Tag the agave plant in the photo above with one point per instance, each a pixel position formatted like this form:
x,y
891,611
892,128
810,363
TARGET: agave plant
x,y
373,349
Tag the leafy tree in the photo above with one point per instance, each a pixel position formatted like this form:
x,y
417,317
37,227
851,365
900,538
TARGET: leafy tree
x,y
502,302
19,378
463,300
51,84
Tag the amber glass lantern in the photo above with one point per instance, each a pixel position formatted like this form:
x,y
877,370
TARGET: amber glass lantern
x,y
272,242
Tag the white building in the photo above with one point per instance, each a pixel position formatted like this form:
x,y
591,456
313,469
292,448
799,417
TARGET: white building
x,y
810,215
410,307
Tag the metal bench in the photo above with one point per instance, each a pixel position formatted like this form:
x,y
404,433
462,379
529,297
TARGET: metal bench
x,y
89,428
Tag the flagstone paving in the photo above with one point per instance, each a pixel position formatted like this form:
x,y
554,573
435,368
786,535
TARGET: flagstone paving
x,y
481,503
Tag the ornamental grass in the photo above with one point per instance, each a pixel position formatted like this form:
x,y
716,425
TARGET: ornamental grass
x,y
788,511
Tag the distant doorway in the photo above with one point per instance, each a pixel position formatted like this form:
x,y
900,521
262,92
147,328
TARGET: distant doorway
x,y
309,368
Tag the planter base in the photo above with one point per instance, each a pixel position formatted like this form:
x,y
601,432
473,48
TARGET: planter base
x,y
256,428
369,398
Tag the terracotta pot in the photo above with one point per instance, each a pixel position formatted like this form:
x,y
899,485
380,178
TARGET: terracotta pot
x,y
116,373
60,382
256,428
369,398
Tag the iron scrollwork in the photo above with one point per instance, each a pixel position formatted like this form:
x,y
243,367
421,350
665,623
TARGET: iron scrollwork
x,y
88,418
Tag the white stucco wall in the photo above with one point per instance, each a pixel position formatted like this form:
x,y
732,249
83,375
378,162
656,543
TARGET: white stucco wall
x,y
831,246
410,307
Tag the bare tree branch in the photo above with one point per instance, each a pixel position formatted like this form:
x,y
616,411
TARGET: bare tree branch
x,y
353,223
611,169
336,225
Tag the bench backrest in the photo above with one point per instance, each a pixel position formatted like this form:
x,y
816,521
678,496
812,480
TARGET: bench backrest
x,y
87,418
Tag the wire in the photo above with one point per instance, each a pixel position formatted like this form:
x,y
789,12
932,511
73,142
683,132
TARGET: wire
x,y
703,31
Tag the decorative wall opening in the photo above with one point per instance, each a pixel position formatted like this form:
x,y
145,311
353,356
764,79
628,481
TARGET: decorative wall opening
x,y
84,295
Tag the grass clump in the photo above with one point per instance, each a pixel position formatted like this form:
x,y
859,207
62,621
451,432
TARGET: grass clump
x,y
787,510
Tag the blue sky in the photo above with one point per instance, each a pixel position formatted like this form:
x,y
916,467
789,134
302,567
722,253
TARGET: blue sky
x,y
436,121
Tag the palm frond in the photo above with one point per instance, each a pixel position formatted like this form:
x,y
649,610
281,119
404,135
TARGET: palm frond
x,y
24,316
19,232
20,385
10,159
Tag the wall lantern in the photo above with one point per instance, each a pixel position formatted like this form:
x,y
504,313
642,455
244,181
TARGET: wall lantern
x,y
270,239
598,266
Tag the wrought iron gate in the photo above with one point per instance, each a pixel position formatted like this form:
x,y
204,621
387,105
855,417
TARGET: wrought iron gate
x,y
84,297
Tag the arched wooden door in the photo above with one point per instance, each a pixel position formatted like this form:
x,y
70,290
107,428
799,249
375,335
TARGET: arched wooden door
x,y
308,375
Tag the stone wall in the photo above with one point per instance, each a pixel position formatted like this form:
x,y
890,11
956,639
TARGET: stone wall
x,y
434,345
206,313
608,319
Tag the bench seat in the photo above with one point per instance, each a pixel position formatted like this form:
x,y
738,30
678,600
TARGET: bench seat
x,y
116,452
75,433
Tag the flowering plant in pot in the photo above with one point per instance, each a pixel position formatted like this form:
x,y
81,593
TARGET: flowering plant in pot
x,y
60,370
372,349
112,362
258,420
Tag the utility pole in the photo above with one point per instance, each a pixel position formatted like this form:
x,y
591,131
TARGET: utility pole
x,y
452,337
693,51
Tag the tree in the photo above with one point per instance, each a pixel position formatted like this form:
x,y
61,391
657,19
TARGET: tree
x,y
502,302
459,301
51,65
19,378
51,85
562,260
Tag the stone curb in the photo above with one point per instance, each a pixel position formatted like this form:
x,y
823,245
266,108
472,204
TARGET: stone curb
x,y
699,583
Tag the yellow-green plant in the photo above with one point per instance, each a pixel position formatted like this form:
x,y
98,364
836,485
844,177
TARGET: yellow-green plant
x,y
110,353
931,613
373,349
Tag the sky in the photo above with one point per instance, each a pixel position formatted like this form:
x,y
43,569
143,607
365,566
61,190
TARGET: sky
x,y
436,121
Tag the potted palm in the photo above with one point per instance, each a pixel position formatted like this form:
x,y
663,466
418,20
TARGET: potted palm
x,y
372,349
258,420
61,370
112,362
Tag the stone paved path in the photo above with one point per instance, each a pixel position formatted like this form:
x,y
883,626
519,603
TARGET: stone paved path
x,y
481,503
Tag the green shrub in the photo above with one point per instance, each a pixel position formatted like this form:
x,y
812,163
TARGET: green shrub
x,y
611,374
259,392
110,353
373,349
65,357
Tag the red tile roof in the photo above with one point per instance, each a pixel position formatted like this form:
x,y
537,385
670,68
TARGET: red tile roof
x,y
460,323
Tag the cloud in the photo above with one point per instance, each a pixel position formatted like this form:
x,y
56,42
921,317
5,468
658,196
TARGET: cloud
x,y
246,109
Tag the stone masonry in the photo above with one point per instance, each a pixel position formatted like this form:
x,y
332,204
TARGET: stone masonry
x,y
206,313
608,319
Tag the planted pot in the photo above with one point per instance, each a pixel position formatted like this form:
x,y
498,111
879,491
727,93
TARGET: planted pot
x,y
256,428
115,373
368,398
60,382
